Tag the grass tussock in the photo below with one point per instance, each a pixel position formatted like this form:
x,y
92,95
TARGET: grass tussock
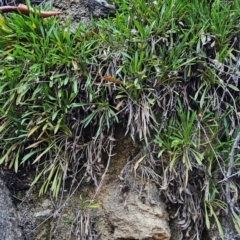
x,y
167,71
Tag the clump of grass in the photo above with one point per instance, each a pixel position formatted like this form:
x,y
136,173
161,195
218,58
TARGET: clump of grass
x,y
164,71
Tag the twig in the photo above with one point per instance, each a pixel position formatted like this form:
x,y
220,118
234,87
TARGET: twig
x,y
106,169
23,9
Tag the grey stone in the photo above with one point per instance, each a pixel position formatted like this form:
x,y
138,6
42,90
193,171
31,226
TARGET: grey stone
x,y
43,214
9,227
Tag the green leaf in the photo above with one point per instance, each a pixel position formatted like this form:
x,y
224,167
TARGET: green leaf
x,y
5,156
219,226
236,221
54,115
89,118
79,104
198,156
37,177
30,154
93,205
233,87
4,125
207,221
75,86
16,163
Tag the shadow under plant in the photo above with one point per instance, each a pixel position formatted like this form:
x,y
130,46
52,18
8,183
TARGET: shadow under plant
x,y
164,72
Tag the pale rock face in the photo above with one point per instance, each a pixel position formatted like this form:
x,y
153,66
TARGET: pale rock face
x,y
102,4
132,215
105,4
139,221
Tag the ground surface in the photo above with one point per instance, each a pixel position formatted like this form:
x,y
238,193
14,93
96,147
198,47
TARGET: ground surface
x,y
123,210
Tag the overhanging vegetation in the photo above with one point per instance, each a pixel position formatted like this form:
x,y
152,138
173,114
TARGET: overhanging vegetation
x,y
167,71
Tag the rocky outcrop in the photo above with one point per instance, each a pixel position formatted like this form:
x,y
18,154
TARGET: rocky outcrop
x,y
9,227
129,214
138,220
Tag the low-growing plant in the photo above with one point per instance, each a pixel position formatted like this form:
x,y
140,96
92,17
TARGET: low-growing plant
x,y
156,67
180,141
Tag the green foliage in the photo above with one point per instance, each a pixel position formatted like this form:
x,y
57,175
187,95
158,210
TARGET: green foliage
x,y
179,140
210,211
88,204
39,82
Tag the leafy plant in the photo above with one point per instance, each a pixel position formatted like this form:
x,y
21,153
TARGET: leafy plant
x,y
88,204
158,67
180,140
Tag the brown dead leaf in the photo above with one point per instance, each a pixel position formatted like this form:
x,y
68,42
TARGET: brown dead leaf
x,y
75,65
138,162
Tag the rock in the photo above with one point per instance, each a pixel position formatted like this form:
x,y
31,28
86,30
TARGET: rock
x,y
133,215
138,220
46,204
102,3
43,214
9,227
